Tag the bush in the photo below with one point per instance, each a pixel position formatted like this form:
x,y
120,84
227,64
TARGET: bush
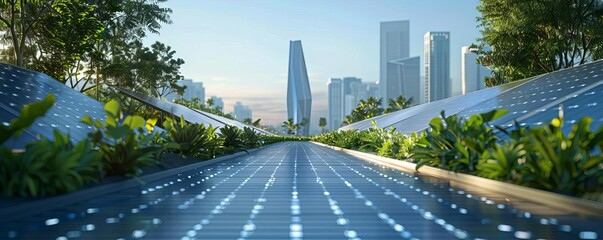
x,y
123,142
251,139
231,137
456,144
49,167
192,138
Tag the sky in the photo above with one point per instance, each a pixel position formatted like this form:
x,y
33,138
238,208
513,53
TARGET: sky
x,y
239,48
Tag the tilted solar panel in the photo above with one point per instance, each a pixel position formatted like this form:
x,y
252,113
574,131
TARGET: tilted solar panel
x,y
231,122
173,109
19,87
533,101
535,95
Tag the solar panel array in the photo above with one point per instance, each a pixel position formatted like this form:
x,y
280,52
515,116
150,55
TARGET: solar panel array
x,y
19,87
532,102
190,115
298,190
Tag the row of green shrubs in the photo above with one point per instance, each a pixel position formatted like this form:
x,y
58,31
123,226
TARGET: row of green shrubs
x,y
118,146
541,157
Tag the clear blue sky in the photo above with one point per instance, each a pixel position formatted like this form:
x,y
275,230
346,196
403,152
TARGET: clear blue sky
x,y
239,49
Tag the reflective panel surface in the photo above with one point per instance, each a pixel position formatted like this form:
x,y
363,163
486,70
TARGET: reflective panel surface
x,y
296,190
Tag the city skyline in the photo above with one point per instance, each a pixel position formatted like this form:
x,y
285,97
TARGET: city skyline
x,y
241,54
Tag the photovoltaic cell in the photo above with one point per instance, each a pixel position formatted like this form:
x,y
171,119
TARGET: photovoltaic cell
x,y
19,87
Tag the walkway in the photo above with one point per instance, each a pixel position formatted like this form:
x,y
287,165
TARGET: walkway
x,y
297,190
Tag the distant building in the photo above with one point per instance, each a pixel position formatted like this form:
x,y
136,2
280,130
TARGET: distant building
x,y
335,103
299,97
350,93
193,90
399,73
437,66
218,102
472,73
241,112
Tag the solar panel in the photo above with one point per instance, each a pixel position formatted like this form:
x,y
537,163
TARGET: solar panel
x,y
19,87
231,122
535,95
190,115
533,101
173,109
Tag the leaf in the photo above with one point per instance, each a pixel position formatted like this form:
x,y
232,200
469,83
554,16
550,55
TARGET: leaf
x,y
494,114
134,122
29,113
112,108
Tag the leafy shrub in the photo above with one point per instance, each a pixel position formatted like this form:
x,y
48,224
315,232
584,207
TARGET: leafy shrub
x,y
456,144
123,142
231,137
250,138
49,167
192,138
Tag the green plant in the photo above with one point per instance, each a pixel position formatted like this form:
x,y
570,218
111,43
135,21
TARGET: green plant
x,y
49,167
192,138
250,138
231,136
566,164
29,113
124,142
456,144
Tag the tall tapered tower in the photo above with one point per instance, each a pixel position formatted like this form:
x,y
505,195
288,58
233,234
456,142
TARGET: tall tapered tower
x,y
299,97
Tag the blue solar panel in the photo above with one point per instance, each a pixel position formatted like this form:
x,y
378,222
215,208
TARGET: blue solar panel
x,y
19,87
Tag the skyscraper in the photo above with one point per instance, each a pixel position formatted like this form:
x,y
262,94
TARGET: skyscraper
x,y
335,103
472,74
299,97
241,112
437,66
193,90
218,103
350,93
399,74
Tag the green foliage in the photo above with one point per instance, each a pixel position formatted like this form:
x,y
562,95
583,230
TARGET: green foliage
x,y
529,38
456,144
250,138
29,113
123,141
231,136
197,103
49,167
192,138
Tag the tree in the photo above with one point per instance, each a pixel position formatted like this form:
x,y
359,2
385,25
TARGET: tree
x,y
289,126
257,123
398,103
529,38
322,123
366,109
20,20
247,121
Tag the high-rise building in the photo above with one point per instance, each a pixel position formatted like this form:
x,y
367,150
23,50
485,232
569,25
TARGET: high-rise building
x,y
218,103
241,112
335,103
437,66
192,90
299,97
399,73
350,93
472,73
